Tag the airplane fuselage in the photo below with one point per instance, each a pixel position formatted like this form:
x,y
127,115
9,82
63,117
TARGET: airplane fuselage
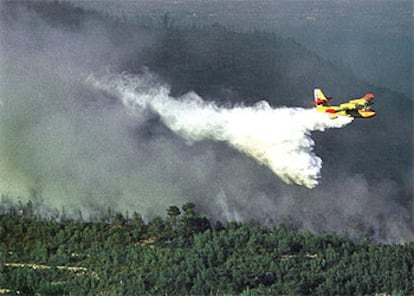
x,y
334,111
357,108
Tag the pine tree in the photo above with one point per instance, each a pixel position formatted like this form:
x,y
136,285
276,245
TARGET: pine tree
x,y
173,212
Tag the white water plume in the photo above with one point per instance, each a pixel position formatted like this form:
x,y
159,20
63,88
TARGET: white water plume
x,y
276,137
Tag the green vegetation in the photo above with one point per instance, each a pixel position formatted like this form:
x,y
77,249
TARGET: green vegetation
x,y
183,253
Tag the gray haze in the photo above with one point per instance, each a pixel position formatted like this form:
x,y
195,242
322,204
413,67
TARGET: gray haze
x,y
371,38
67,145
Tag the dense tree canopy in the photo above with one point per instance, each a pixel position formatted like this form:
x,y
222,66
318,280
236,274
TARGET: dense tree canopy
x,y
126,256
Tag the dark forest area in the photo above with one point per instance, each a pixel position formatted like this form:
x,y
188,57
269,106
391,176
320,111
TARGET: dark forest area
x,y
183,253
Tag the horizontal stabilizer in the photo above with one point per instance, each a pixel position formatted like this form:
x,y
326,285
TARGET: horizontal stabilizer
x,y
319,97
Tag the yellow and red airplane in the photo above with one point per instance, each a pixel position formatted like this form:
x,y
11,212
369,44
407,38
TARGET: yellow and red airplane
x,y
357,108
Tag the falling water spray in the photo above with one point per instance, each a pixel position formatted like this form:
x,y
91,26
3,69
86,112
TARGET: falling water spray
x,y
279,138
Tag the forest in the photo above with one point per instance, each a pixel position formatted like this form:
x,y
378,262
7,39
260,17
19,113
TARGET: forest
x,y
186,250
183,253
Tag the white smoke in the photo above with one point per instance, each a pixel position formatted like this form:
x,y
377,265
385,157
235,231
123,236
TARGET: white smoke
x,y
276,137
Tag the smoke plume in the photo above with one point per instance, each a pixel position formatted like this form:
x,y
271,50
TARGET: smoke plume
x,y
81,145
276,137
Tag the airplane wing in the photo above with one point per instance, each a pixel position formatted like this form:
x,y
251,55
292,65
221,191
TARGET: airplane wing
x,y
359,103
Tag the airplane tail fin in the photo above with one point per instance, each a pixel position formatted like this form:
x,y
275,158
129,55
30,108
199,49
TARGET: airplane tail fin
x,y
319,97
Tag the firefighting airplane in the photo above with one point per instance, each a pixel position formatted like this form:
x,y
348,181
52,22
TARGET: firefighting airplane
x,y
357,108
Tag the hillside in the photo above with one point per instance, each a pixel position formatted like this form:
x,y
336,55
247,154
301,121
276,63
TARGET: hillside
x,y
114,159
184,254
